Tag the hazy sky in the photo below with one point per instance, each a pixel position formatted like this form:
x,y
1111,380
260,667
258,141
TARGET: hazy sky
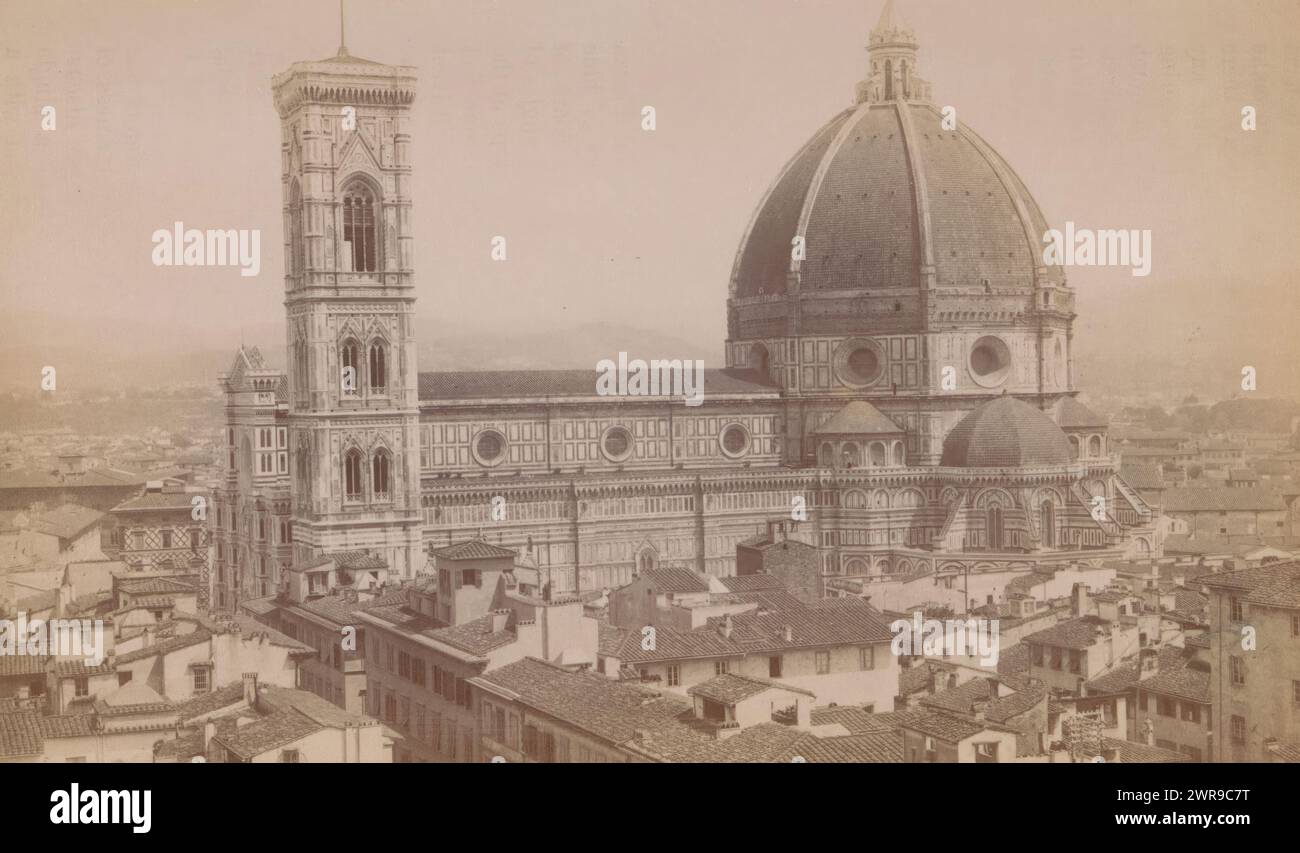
x,y
1116,113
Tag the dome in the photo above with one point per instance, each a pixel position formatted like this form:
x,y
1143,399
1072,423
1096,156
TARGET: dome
x,y
883,191
1006,433
890,195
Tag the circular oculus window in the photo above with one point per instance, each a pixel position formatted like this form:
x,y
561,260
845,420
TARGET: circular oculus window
x,y
616,444
489,447
734,440
990,361
859,362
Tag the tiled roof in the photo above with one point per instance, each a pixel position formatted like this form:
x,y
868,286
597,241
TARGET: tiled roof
x,y
1006,433
671,644
1271,585
945,727
869,748
730,688
858,418
1222,499
860,721
1071,414
675,580
1289,752
16,666
608,709
1139,753
154,586
1143,475
90,478
66,522
474,549
166,646
209,703
1078,633
475,637
1185,682
79,668
20,734
497,384
843,622
963,698
268,733
178,501
67,725
752,583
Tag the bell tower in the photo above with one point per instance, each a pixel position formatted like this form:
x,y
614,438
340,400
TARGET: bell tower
x,y
349,304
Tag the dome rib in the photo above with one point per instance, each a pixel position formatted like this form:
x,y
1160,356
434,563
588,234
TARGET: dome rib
x,y
789,180
815,186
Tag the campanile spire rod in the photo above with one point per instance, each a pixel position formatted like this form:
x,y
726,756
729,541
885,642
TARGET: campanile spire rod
x,y
343,40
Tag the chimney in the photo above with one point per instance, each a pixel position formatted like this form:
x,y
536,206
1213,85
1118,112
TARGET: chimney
x,y
1079,600
499,619
726,626
250,688
209,730
789,633
979,709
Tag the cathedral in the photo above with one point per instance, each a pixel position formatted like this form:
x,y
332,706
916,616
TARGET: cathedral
x,y
898,389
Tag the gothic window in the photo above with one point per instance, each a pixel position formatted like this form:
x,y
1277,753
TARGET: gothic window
x,y
349,357
380,474
1047,521
297,252
352,475
359,233
378,369
994,527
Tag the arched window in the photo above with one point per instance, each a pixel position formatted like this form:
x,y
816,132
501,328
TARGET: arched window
x,y
900,456
297,251
994,527
378,370
350,362
1047,520
380,475
300,373
877,455
889,80
850,456
1094,446
352,475
1075,446
759,358
359,234
907,86
646,561
827,457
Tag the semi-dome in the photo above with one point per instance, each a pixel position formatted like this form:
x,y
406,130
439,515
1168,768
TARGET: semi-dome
x,y
892,194
1006,433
